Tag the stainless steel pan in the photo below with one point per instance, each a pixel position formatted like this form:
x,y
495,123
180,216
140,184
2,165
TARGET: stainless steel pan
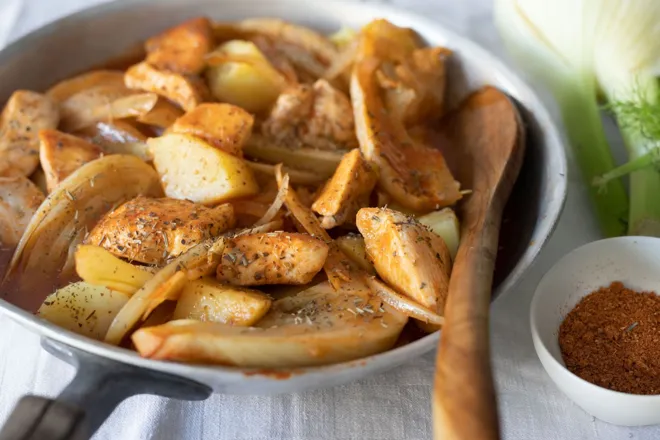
x,y
107,375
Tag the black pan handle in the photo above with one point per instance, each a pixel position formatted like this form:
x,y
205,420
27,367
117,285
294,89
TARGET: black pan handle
x,y
99,386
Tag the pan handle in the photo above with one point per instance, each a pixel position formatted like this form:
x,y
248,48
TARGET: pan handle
x,y
98,387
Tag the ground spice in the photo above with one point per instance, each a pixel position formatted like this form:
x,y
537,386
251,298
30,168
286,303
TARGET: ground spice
x,y
612,339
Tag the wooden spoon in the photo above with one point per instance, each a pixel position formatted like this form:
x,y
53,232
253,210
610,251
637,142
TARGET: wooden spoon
x,y
484,145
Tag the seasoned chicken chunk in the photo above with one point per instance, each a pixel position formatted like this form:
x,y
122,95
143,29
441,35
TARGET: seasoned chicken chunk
x,y
272,258
347,191
24,115
152,230
61,154
224,126
318,116
181,49
188,91
19,200
409,257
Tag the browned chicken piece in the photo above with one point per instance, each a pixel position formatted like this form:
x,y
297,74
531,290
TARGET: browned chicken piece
x,y
224,126
413,173
19,200
272,258
409,257
61,154
24,115
318,116
347,191
181,49
187,91
153,230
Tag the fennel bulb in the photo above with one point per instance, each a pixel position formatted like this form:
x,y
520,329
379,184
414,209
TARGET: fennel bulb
x,y
580,49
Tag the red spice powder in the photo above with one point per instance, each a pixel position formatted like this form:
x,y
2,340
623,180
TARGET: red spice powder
x,y
612,339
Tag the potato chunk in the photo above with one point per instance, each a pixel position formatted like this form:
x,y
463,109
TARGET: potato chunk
x,y
83,308
408,256
192,169
19,200
97,266
208,300
24,115
241,75
152,230
271,258
181,49
224,126
186,91
446,225
61,154
347,191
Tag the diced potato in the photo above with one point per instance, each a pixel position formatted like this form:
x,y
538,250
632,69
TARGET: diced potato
x,y
208,300
185,90
162,115
445,224
99,267
192,169
61,154
83,308
63,90
354,248
343,37
182,48
224,126
241,75
118,137
39,179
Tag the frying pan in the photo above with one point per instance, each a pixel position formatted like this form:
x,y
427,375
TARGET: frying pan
x,y
106,375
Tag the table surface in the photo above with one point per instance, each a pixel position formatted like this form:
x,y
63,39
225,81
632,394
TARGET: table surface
x,y
391,406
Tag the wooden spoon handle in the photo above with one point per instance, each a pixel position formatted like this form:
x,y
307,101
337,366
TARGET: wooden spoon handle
x,y
464,404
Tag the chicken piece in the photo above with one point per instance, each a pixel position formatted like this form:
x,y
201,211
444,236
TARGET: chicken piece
x,y
224,126
19,200
24,115
153,230
318,116
412,259
182,48
186,90
271,258
347,191
413,173
61,154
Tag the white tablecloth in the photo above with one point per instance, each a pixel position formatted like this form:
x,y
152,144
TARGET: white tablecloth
x,y
391,406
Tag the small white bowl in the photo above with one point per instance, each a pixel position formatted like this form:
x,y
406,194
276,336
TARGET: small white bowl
x,y
635,261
